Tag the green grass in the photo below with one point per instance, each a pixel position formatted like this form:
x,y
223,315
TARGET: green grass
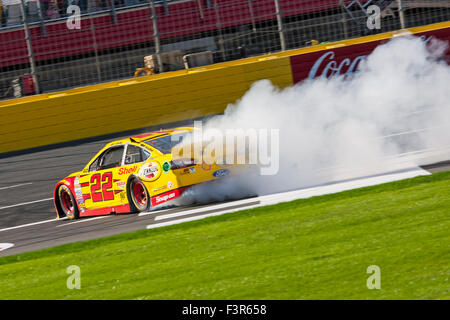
x,y
318,248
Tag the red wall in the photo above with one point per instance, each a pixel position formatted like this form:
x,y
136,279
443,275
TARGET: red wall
x,y
345,60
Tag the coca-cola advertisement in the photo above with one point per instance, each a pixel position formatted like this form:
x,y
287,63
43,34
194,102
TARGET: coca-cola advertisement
x,y
344,61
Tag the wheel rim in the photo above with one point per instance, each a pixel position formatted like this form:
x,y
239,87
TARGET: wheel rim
x,y
140,195
67,202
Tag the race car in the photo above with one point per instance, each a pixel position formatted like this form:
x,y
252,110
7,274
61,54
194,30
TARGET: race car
x,y
133,175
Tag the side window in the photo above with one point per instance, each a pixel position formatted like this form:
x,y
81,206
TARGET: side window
x,y
145,154
110,158
134,155
94,165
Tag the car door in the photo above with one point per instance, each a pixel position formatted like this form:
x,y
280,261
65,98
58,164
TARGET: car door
x,y
133,159
100,186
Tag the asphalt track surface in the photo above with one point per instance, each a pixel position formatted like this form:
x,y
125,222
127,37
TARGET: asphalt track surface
x,y
27,214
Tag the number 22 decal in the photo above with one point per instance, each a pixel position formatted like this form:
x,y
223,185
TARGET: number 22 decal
x,y
103,182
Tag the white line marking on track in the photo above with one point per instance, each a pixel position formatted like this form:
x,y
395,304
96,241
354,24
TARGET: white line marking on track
x,y
208,208
4,246
31,224
25,203
16,185
168,223
153,212
79,221
293,195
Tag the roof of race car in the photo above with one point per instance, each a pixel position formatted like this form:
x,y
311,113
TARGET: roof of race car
x,y
161,133
151,135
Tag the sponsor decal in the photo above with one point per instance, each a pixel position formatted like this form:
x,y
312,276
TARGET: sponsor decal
x,y
150,171
336,63
165,197
127,170
121,184
330,67
221,173
78,193
170,185
425,39
166,166
188,170
206,166
160,188
81,205
182,163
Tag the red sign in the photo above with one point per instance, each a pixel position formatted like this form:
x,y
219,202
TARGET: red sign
x,y
164,197
344,61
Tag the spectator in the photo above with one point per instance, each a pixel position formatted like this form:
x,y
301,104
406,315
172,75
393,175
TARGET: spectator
x,y
83,5
93,5
17,88
105,4
44,7
131,2
61,7
53,10
32,9
12,11
1,14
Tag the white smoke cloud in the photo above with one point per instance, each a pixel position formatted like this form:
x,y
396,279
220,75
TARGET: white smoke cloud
x,y
333,129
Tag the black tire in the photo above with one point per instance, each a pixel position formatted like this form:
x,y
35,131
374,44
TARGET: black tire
x,y
136,193
67,203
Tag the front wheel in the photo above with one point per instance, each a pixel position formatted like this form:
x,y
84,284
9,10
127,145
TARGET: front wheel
x,y
140,199
67,202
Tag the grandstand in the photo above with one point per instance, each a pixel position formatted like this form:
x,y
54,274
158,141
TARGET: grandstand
x,y
40,53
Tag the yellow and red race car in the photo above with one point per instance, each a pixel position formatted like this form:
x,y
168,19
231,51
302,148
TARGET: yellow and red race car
x,y
132,175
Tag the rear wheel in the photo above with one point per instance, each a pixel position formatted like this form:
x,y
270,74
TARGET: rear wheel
x,y
140,198
67,203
